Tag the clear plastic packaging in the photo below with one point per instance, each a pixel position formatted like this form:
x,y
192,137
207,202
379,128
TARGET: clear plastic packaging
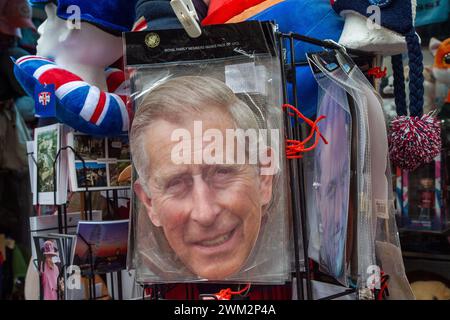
x,y
364,256
331,184
210,186
387,244
377,230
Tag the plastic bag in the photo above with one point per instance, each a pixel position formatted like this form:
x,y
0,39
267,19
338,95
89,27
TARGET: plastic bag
x,y
331,184
387,243
210,198
365,245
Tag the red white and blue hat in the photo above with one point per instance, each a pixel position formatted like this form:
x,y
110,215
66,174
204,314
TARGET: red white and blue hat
x,y
113,16
80,105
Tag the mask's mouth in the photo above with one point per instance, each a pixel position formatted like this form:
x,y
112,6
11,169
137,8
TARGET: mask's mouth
x,y
217,240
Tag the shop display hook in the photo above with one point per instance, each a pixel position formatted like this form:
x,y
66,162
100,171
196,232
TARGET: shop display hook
x,y
186,14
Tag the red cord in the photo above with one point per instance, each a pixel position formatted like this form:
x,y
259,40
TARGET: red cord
x,y
384,285
295,148
227,294
377,72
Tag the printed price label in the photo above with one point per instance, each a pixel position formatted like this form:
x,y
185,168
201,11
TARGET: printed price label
x,y
246,77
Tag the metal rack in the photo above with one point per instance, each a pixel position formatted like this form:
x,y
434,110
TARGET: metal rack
x,y
298,191
293,129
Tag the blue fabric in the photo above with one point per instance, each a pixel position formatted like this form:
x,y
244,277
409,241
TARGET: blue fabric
x,y
114,15
396,15
159,14
313,18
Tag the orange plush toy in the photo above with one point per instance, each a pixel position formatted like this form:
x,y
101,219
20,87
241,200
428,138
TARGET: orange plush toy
x,y
441,68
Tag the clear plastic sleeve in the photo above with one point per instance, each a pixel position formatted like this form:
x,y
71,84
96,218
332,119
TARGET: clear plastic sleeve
x,y
364,258
210,187
331,184
387,243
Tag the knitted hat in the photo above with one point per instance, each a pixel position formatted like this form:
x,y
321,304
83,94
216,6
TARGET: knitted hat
x,y
112,16
414,139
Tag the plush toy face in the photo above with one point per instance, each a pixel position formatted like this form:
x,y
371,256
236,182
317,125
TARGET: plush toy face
x,y
441,67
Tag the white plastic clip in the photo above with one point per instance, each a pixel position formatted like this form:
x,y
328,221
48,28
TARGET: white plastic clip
x,y
338,45
185,11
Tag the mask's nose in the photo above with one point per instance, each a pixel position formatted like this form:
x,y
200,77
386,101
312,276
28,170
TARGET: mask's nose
x,y
204,209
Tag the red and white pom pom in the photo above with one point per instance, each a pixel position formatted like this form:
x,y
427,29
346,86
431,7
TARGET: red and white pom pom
x,y
414,141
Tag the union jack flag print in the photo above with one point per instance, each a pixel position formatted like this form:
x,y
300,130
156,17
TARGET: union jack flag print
x,y
80,105
45,98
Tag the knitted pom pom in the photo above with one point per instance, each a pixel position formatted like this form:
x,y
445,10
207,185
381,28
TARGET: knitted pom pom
x,y
414,141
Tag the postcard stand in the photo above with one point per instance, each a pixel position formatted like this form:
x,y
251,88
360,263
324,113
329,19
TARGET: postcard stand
x,y
37,267
91,275
62,219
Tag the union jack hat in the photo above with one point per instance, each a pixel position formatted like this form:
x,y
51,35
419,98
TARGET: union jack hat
x,y
113,16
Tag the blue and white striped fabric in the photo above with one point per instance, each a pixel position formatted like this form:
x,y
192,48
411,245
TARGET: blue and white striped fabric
x,y
80,105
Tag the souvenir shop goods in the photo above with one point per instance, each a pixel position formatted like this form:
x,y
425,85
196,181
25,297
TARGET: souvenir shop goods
x,y
441,66
50,180
376,25
355,80
384,228
156,15
89,96
414,138
331,184
423,196
48,224
50,263
68,246
314,18
83,107
208,213
97,162
377,235
101,246
328,64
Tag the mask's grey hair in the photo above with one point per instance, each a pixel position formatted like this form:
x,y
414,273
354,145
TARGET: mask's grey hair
x,y
178,97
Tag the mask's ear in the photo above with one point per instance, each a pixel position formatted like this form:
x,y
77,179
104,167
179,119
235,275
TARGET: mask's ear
x,y
267,172
147,202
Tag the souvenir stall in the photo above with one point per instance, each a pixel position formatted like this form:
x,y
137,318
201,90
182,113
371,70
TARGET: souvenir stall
x,y
224,150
